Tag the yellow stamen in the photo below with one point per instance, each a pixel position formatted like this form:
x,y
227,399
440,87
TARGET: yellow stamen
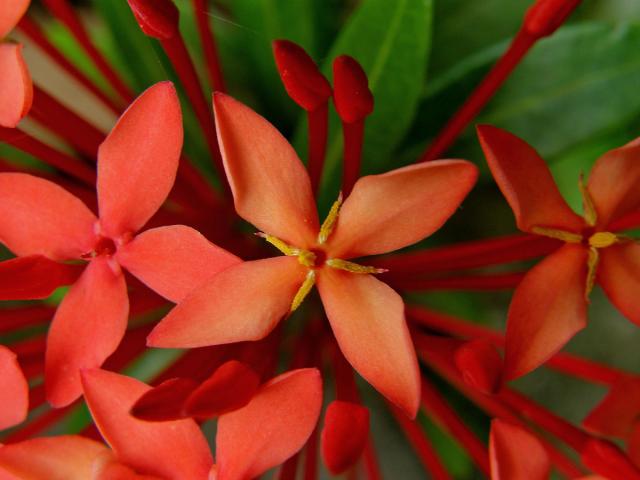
x,y
304,290
307,258
592,265
330,222
590,214
603,239
279,244
563,235
353,267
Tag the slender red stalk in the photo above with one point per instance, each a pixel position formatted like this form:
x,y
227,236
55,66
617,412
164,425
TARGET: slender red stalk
x,y
311,456
38,425
435,405
318,127
494,281
289,469
49,155
32,30
371,464
14,318
207,38
353,135
66,14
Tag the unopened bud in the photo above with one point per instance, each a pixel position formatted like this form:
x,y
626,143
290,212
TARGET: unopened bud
x,y
157,18
351,94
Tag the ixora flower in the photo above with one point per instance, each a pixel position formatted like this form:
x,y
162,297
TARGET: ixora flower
x,y
14,390
550,304
16,90
137,164
274,425
271,190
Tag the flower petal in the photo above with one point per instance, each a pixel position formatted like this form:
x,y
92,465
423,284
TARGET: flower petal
x,y
613,183
14,390
390,211
86,329
241,303
344,435
111,469
174,260
526,182
138,161
39,217
271,428
547,309
618,412
16,89
164,402
68,457
34,277
515,454
480,365
270,186
619,276
367,318
10,14
176,450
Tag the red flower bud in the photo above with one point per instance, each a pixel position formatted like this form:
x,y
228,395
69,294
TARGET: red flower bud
x,y
344,436
157,18
480,365
351,94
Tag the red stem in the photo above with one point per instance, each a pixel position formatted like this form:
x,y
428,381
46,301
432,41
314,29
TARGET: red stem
x,y
17,317
353,134
207,38
371,464
495,281
66,14
318,125
311,456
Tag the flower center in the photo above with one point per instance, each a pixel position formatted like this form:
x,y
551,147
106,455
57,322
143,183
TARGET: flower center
x,y
104,247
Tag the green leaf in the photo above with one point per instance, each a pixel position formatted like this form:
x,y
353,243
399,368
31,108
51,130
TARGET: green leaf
x,y
392,41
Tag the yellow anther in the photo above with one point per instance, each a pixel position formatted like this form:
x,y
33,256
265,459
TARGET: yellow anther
x,y
304,290
279,244
590,214
330,222
563,235
353,267
603,239
307,258
592,265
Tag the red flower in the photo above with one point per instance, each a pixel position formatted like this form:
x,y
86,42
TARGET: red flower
x,y
137,165
550,304
14,390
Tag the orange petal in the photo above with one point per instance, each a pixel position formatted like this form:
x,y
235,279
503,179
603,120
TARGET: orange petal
x,y
344,435
390,211
367,318
241,303
10,14
111,469
68,457
33,277
176,450
526,182
613,183
85,330
515,454
271,428
16,89
174,261
270,186
619,276
617,414
39,217
164,402
547,309
138,161
14,390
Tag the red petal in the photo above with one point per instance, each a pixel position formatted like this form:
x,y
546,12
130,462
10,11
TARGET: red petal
x,y
39,217
241,303
174,260
515,454
547,309
618,412
271,188
613,183
271,428
351,94
10,14
14,390
480,365
176,450
300,75
53,458
16,89
608,460
86,329
390,211
137,163
344,436
164,402
619,276
34,277
367,318
157,18
526,182
230,387
112,470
